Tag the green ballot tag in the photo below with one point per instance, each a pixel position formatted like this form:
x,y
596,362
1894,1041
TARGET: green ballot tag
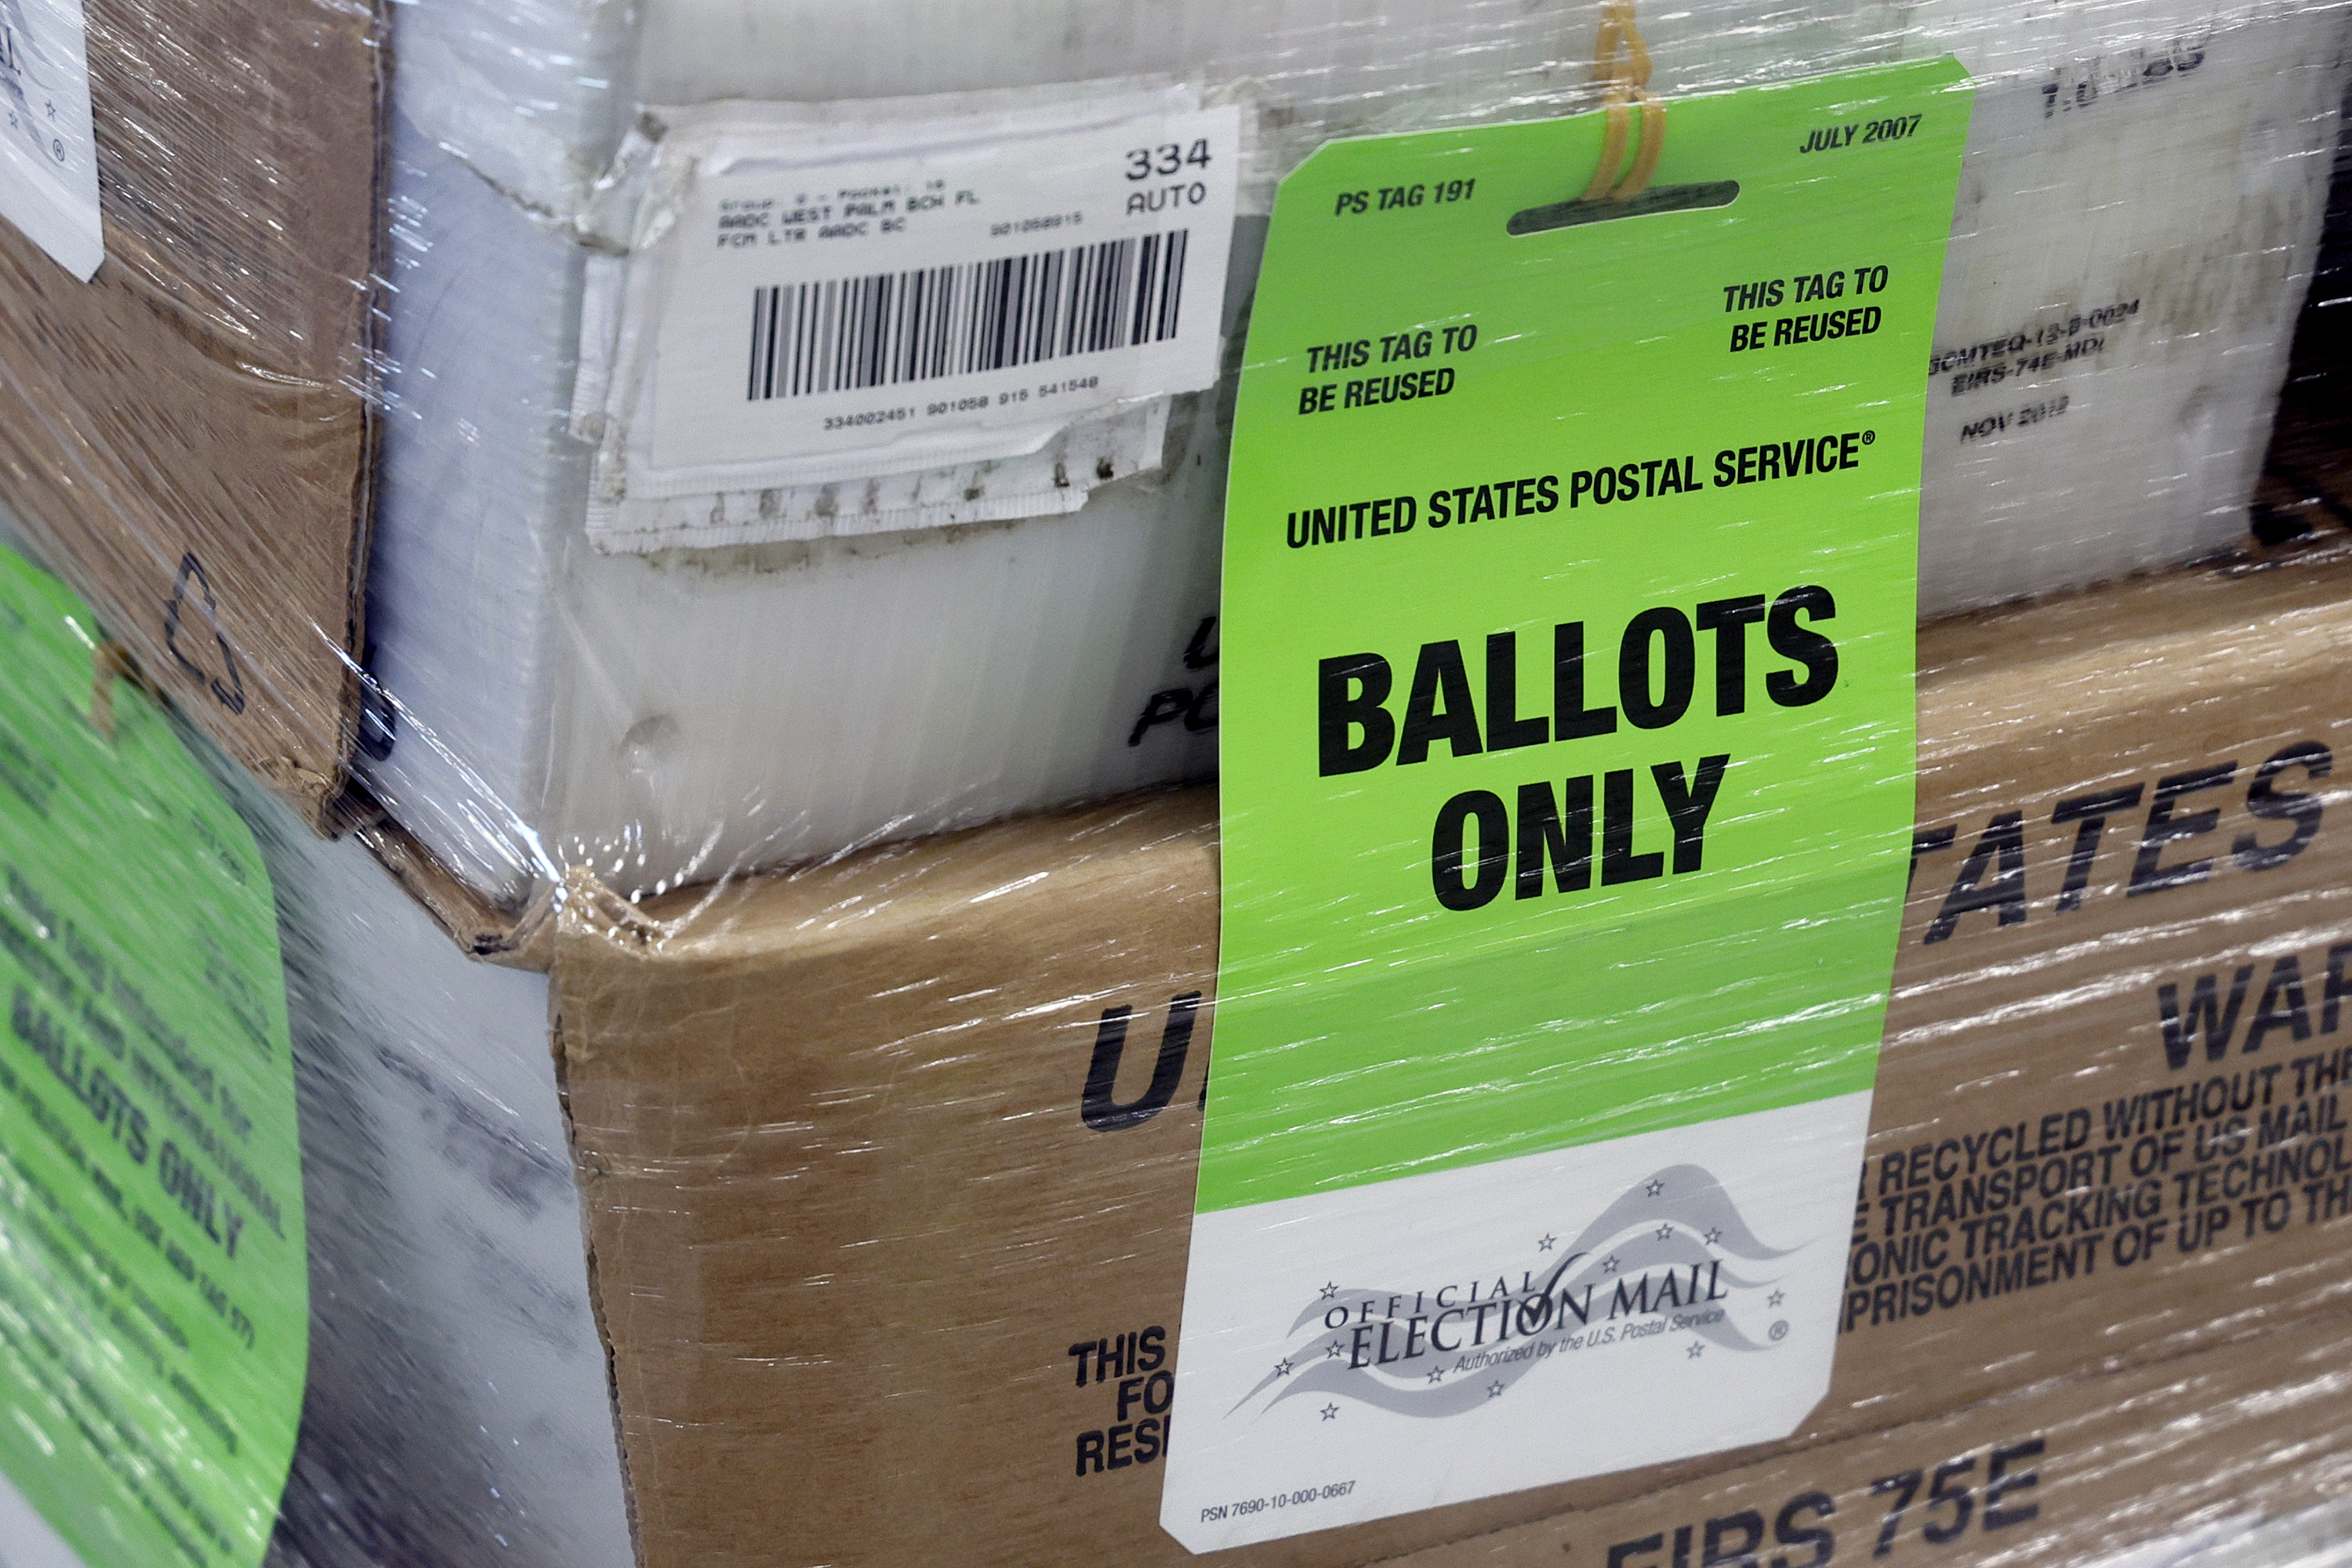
x,y
1571,558
154,1297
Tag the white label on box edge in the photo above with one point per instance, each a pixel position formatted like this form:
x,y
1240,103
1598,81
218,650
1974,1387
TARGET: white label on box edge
x,y
49,162
890,298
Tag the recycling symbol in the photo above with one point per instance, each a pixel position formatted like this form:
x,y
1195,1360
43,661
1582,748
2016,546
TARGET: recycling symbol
x,y
226,685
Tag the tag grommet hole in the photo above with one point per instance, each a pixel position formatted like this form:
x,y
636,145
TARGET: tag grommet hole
x,y
1661,199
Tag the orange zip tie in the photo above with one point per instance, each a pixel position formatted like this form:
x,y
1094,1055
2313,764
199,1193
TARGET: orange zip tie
x,y
1620,61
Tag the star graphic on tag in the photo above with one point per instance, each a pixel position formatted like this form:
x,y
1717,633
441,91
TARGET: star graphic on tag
x,y
1495,1391
1438,1375
1665,1232
1696,1352
1714,1236
1609,1264
1655,1187
1329,1291
1332,1351
1282,1369
1544,1242
1331,1413
1773,1300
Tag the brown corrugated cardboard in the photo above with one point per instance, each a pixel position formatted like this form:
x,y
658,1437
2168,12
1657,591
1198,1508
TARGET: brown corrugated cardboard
x,y
186,436
888,1159
2067,1471
480,929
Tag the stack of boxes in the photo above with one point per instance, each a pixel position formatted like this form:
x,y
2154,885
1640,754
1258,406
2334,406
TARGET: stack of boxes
x,y
791,1158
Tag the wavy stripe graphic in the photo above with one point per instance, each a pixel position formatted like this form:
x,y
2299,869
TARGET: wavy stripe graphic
x,y
1679,1218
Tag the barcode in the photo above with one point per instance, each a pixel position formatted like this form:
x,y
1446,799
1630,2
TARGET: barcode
x,y
848,333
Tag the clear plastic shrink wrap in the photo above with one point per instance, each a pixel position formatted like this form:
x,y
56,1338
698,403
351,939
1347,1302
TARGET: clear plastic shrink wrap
x,y
850,808
888,1170
457,1410
2135,233
920,1254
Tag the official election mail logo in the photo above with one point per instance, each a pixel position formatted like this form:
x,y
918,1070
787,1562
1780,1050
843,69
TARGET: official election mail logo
x,y
1672,1252
1522,1307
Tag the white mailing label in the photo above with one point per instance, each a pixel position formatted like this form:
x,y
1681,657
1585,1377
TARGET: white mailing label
x,y
962,301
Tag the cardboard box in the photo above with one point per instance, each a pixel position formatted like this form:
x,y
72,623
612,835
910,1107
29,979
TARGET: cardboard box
x,y
187,437
889,1162
2121,283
